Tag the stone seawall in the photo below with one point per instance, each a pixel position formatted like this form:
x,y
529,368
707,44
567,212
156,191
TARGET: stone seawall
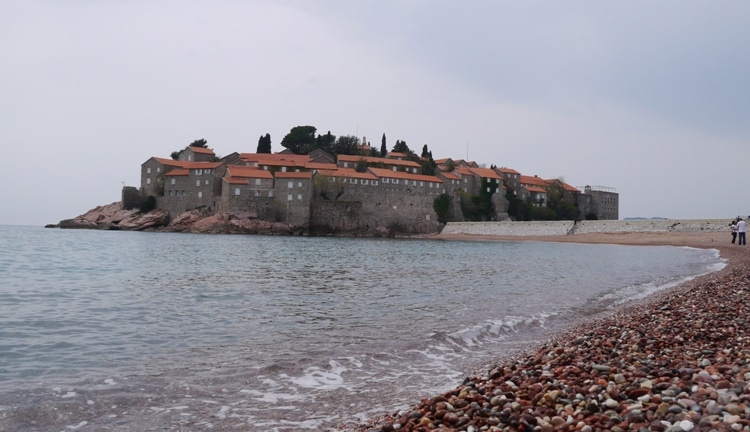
x,y
558,228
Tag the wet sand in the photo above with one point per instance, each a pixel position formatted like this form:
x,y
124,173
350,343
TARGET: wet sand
x,y
678,360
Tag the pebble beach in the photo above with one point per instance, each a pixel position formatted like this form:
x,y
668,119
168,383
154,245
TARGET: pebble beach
x,y
678,360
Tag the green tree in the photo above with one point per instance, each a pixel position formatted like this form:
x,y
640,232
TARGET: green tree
x,y
300,139
425,152
400,147
264,144
346,145
441,205
176,154
326,142
383,147
199,143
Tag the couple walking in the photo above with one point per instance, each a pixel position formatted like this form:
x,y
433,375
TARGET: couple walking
x,y
739,227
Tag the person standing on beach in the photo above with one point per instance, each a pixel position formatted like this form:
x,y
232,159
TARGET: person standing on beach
x,y
734,230
741,231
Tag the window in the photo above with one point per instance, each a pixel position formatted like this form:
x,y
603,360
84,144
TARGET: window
x,y
283,169
414,183
290,185
184,193
207,171
364,182
206,182
257,192
395,181
148,170
430,185
428,217
299,196
270,193
374,182
257,182
158,169
421,184
148,181
289,197
332,179
200,194
299,184
171,192
198,172
353,181
386,180
236,191
488,189
173,181
395,207
197,182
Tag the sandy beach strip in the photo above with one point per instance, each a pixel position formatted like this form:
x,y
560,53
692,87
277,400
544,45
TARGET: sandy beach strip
x,y
678,360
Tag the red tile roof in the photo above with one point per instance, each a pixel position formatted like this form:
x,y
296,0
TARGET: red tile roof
x,y
535,189
532,181
321,166
450,175
275,159
384,161
178,172
508,170
296,175
382,172
187,164
202,150
247,172
486,173
348,173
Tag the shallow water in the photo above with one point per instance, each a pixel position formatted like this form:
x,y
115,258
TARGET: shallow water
x,y
154,331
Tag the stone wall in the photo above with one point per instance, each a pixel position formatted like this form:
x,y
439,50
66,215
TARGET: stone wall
x,y
396,211
601,226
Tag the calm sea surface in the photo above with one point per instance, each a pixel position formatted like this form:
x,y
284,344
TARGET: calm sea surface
x,y
133,331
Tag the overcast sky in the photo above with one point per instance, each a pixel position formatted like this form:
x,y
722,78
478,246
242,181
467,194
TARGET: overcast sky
x,y
650,98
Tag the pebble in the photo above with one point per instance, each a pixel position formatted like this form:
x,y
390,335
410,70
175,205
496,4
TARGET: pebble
x,y
643,367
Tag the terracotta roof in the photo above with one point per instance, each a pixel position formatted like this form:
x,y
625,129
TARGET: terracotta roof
x,y
450,175
348,173
486,173
186,164
297,175
169,162
397,154
565,186
202,150
275,159
247,172
508,170
532,180
321,166
442,161
178,172
384,161
382,172
463,170
535,189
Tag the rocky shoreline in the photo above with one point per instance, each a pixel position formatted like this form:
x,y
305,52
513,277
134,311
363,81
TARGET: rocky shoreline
x,y
114,217
676,361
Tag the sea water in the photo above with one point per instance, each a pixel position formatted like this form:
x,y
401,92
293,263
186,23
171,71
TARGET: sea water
x,y
105,330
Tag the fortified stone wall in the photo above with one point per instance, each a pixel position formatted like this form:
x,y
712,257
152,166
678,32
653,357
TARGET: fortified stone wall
x,y
402,211
552,228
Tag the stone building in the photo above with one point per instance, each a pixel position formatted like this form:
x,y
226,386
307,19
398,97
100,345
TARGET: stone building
x,y
602,201
353,194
